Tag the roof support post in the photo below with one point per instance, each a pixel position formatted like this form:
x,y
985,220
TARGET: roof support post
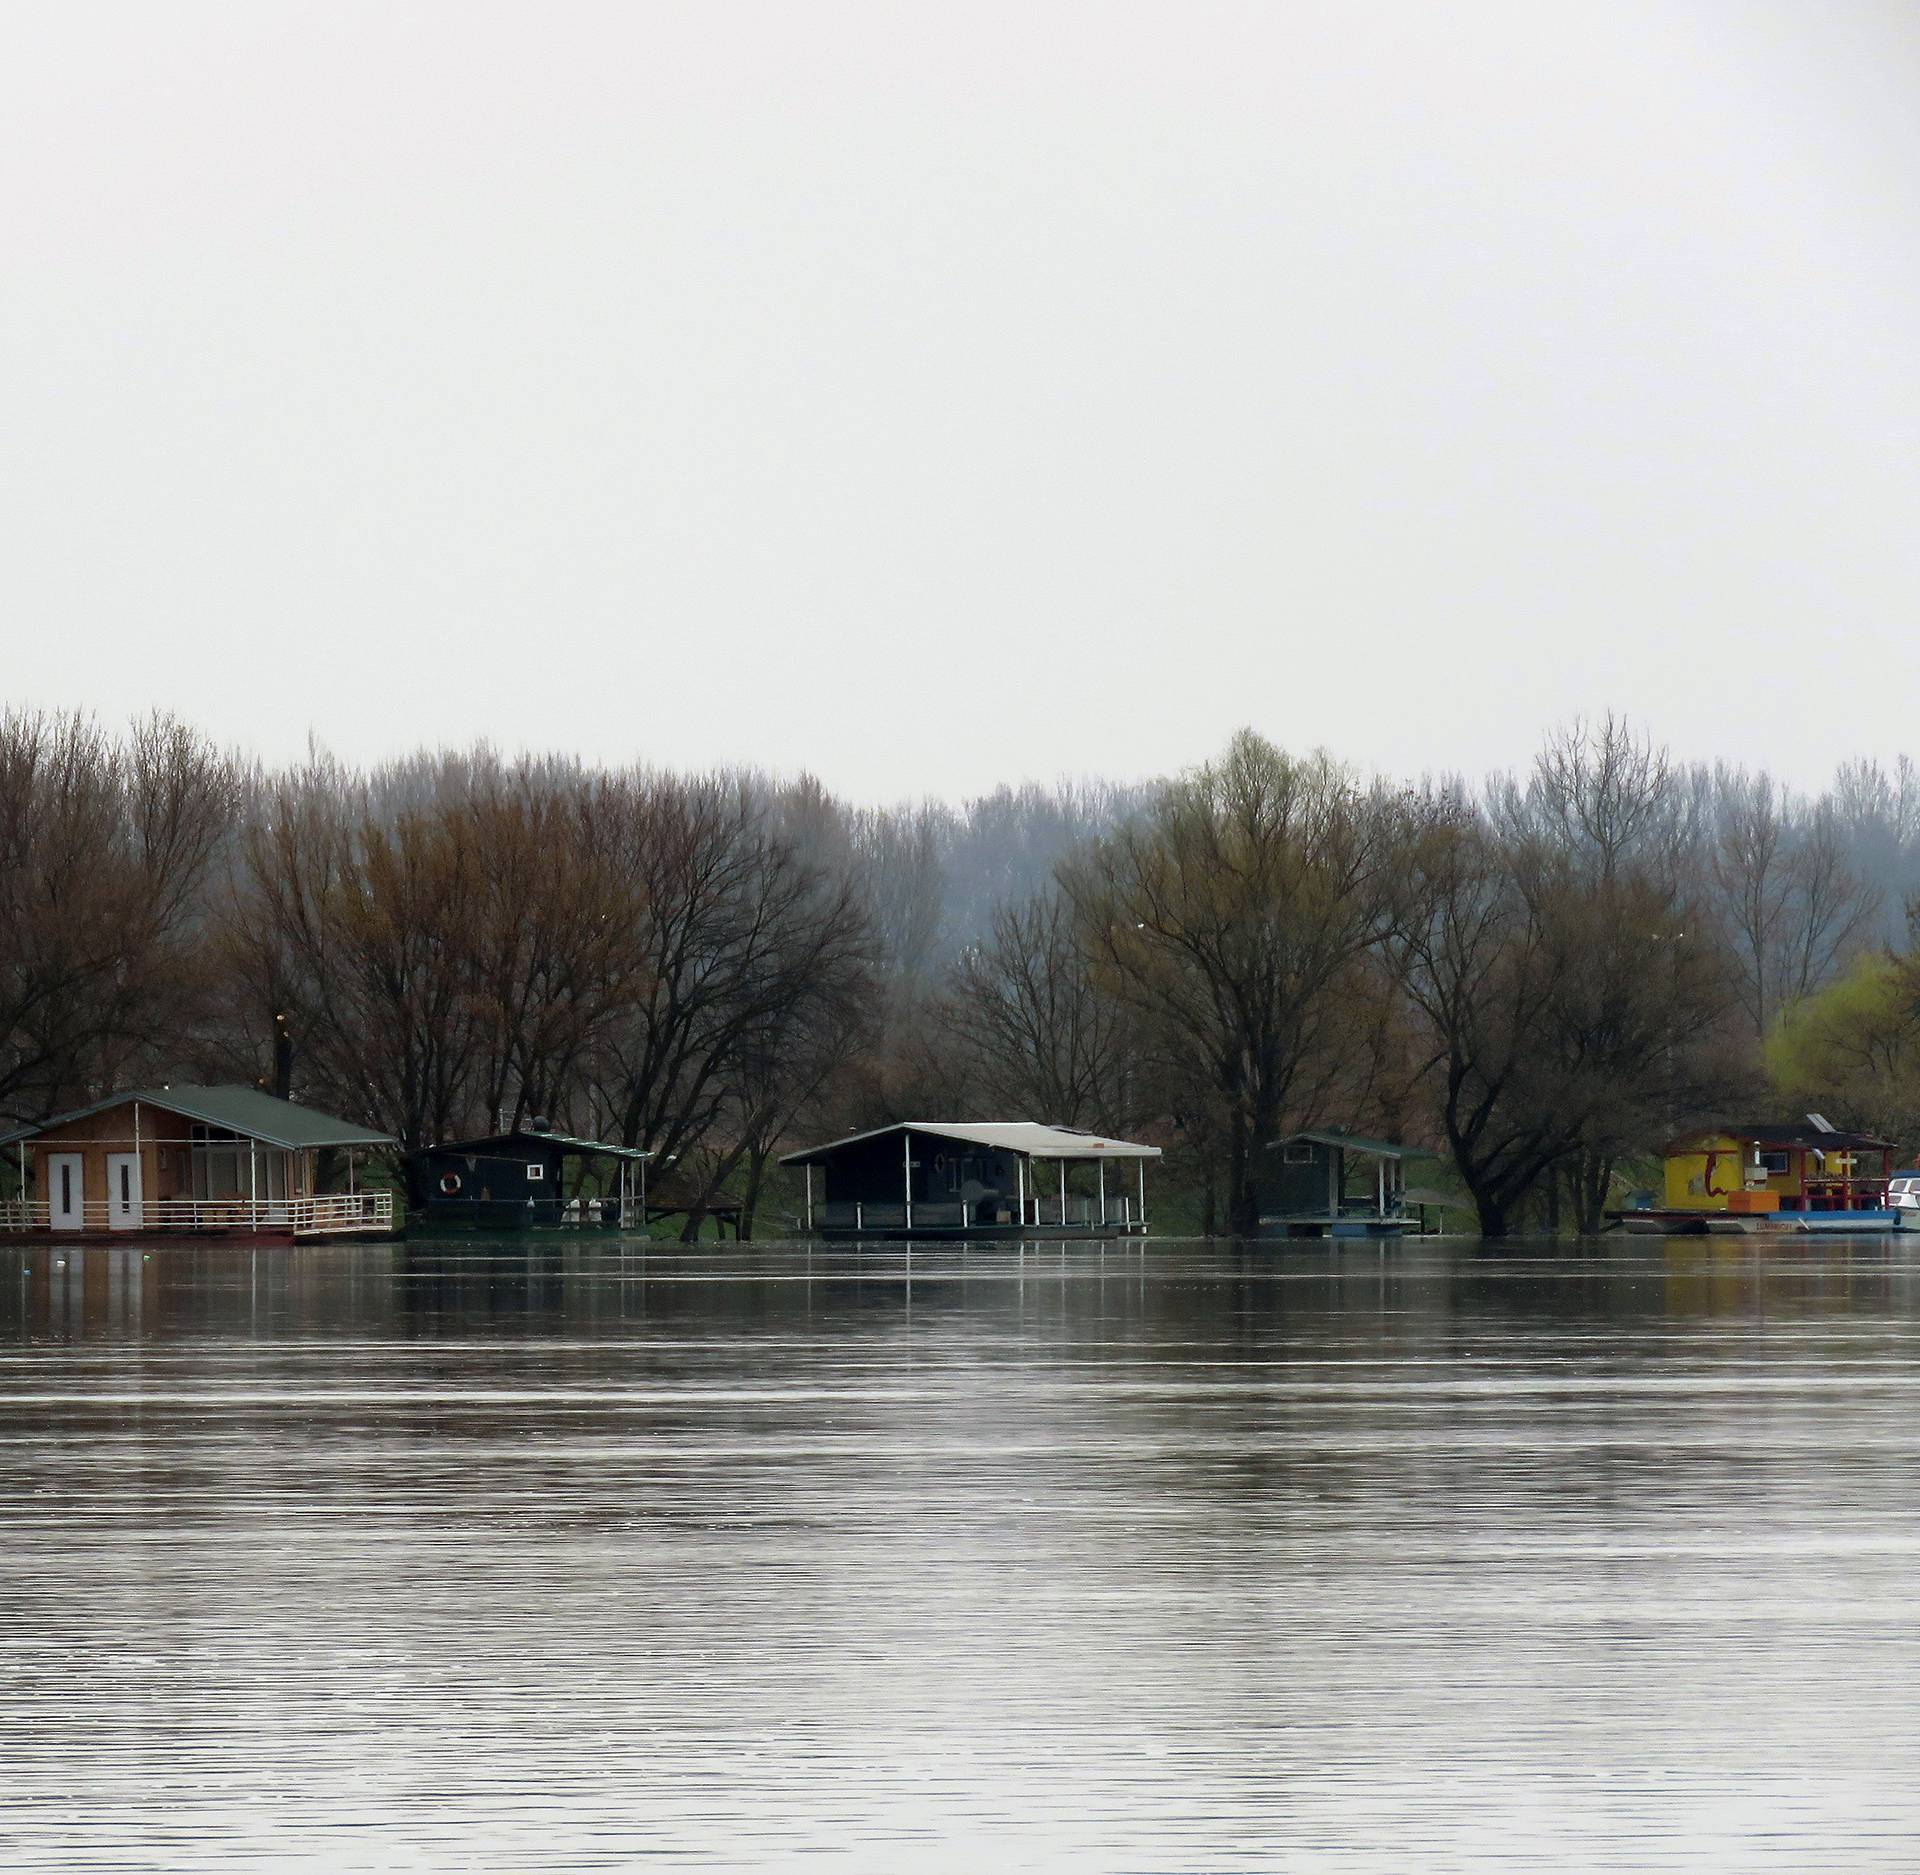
x,y
1019,1177
253,1182
1380,1187
1102,1168
1063,1194
809,1171
1143,1197
906,1148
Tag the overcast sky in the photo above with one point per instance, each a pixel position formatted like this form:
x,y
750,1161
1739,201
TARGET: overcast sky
x,y
936,395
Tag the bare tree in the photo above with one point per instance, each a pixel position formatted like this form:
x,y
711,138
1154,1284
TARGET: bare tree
x,y
1634,1030
899,853
1005,846
1572,982
789,1067
1792,905
736,927
1043,1039
1600,797
361,918
1877,813
547,937
1478,966
1228,910
105,846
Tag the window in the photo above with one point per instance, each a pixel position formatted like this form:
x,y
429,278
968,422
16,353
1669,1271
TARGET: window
x,y
1299,1154
1775,1164
535,1173
220,1168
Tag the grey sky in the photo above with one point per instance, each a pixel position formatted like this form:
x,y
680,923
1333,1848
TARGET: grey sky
x,y
934,396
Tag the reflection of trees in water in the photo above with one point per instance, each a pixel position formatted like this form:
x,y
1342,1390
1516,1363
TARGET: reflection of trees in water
x,y
1219,1303
1249,1406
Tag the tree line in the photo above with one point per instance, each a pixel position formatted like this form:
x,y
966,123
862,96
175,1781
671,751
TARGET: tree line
x,y
1539,976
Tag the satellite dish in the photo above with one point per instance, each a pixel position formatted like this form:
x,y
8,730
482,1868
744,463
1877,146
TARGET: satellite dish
x,y
1822,1124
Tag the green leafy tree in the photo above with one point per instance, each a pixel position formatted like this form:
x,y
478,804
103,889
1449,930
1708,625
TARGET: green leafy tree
x,y
1852,1050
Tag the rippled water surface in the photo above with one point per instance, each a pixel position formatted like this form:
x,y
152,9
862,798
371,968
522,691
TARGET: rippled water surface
x,y
447,1556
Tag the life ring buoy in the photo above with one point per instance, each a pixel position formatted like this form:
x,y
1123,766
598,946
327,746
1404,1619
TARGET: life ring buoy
x,y
450,1183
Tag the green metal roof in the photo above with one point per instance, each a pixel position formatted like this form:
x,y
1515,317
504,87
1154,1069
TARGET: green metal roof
x,y
235,1109
1353,1142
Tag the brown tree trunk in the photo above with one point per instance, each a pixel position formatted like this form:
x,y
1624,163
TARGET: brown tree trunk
x,y
1243,1193
750,1199
1592,1179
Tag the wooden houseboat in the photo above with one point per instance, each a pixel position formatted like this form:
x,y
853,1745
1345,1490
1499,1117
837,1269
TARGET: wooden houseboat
x,y
1749,1177
1329,1182
1009,1178
200,1160
520,1181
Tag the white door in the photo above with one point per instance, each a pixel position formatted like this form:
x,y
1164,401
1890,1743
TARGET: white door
x,y
66,1190
124,1209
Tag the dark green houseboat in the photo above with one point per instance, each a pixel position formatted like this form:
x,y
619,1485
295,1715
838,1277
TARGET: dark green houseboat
x,y
1328,1182
530,1179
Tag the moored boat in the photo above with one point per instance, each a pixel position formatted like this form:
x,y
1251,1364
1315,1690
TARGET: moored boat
x,y
1770,1178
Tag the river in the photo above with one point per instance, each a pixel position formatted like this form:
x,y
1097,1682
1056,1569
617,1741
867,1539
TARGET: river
x,y
589,1555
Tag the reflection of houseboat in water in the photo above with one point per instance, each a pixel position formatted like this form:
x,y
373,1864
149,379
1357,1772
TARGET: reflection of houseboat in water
x,y
1799,1176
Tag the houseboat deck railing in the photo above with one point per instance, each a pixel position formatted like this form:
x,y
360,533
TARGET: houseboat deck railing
x,y
1840,1194
329,1214
1079,1213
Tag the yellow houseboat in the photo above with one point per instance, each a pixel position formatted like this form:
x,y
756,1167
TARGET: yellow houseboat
x,y
1804,1175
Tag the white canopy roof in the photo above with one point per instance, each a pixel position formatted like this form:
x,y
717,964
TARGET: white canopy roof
x,y
1024,1136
